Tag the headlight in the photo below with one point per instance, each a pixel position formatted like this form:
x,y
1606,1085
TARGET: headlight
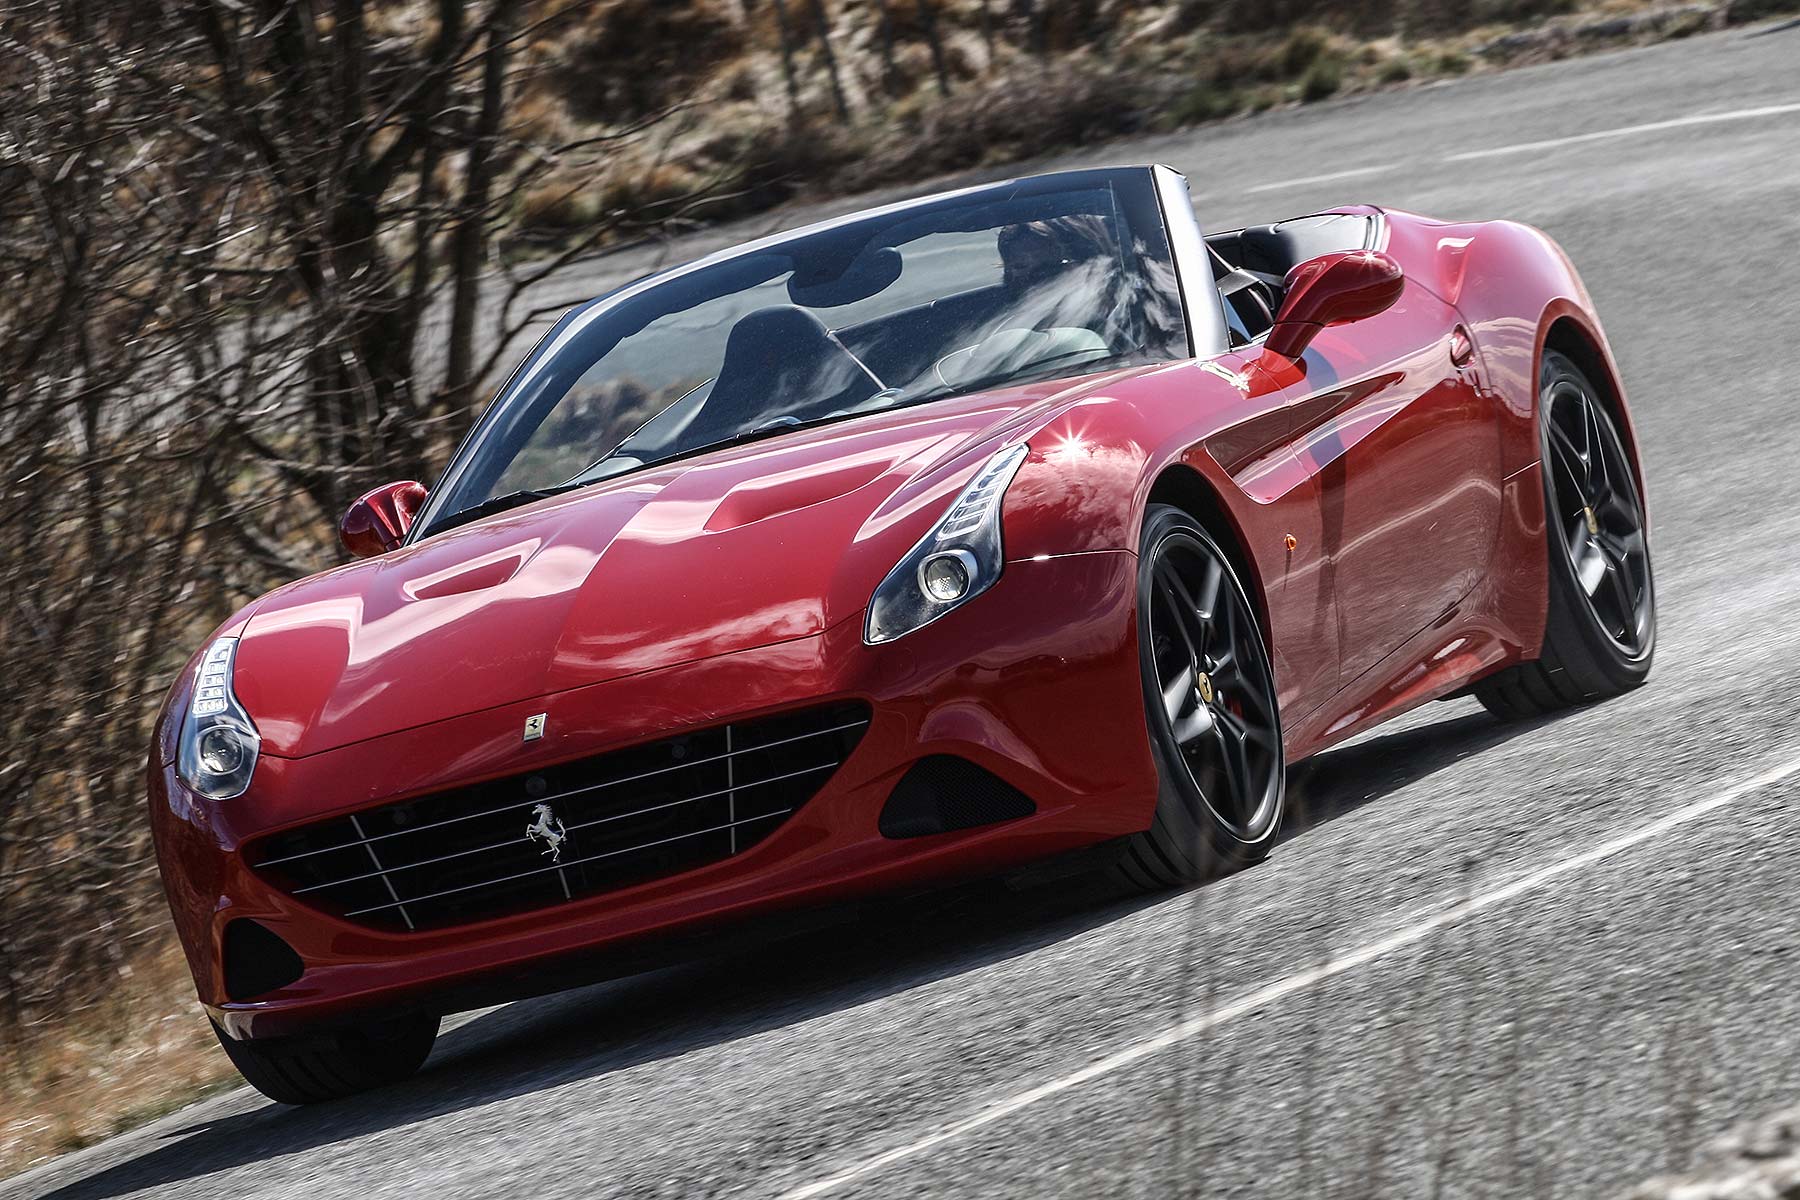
x,y
958,560
219,742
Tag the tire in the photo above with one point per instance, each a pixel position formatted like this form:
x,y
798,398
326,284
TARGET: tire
x,y
332,1065
1600,632
1215,737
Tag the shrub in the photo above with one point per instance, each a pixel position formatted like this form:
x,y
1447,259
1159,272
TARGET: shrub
x,y
1739,12
1324,78
559,202
1019,115
772,161
1205,102
633,57
1301,50
1516,12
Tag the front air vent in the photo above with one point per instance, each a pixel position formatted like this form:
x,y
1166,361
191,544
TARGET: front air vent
x,y
565,832
257,960
943,792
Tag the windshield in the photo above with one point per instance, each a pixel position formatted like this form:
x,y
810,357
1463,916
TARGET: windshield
x,y
1055,277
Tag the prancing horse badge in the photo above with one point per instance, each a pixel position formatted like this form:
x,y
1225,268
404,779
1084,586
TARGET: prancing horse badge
x,y
534,727
545,828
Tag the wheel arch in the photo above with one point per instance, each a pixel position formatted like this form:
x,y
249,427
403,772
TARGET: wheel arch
x,y
1519,294
1570,336
1183,487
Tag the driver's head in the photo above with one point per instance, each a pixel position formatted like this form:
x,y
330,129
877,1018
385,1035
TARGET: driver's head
x,y
1034,252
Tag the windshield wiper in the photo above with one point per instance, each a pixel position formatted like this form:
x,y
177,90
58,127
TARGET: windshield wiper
x,y
1037,372
499,504
765,430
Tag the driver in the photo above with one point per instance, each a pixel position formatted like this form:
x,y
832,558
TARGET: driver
x,y
1033,253
1062,273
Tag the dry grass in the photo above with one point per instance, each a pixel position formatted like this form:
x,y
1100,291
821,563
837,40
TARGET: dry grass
x,y
145,1052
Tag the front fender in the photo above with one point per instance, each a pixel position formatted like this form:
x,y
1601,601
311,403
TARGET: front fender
x,y
1093,466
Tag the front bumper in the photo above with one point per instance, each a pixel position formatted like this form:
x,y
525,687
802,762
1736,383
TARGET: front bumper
x,y
1036,681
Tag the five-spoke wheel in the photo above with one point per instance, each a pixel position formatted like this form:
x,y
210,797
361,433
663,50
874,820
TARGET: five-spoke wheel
x,y
1600,632
1597,513
1210,705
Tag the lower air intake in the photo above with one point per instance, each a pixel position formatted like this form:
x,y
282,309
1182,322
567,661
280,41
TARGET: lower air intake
x,y
257,960
567,831
942,793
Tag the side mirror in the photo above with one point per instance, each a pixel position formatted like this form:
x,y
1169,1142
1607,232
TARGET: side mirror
x,y
377,522
1345,285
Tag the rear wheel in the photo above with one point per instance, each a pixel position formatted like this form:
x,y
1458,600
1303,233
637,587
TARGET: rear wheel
x,y
1600,635
1209,698
335,1064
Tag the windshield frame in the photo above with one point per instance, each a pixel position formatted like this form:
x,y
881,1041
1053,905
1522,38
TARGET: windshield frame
x,y
1174,212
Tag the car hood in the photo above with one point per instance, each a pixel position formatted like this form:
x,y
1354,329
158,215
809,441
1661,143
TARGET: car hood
x,y
726,551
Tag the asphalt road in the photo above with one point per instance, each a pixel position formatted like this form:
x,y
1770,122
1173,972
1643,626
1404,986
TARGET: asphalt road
x,y
1488,960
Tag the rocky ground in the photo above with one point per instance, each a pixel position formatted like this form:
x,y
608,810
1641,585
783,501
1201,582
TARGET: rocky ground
x,y
1758,1161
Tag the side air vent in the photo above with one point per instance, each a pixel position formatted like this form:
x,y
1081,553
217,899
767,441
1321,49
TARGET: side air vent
x,y
257,960
943,792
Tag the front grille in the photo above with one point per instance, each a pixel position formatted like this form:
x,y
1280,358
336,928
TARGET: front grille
x,y
566,831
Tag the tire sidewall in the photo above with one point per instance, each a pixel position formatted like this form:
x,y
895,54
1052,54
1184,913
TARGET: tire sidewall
x,y
1569,605
1180,804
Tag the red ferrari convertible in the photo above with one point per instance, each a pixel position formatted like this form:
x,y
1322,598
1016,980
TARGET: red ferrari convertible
x,y
921,543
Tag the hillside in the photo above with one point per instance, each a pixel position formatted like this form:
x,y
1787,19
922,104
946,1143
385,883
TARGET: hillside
x,y
748,102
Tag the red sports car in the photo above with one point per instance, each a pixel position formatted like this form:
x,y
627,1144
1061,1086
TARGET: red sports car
x,y
925,542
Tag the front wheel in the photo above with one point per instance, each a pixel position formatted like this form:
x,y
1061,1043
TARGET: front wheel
x,y
1600,635
1209,699
335,1064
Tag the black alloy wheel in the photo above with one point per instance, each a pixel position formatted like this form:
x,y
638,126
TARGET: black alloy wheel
x,y
1595,510
1600,635
1209,695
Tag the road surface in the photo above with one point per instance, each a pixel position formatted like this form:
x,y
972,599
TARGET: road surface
x,y
1530,961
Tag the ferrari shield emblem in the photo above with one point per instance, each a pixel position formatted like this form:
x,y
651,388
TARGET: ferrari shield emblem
x,y
534,727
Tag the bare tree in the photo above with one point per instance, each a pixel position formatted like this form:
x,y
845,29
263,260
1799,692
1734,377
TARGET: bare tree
x,y
822,23
786,36
250,252
885,28
929,26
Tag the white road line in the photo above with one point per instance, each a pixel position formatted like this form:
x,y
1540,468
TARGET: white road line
x,y
1282,989
1352,173
1741,114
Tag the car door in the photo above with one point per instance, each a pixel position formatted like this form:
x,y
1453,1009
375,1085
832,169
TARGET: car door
x,y
1402,441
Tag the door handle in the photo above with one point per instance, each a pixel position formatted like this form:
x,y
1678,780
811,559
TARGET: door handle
x,y
1462,347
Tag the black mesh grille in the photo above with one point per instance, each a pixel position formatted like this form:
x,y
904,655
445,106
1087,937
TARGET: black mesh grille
x,y
622,818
